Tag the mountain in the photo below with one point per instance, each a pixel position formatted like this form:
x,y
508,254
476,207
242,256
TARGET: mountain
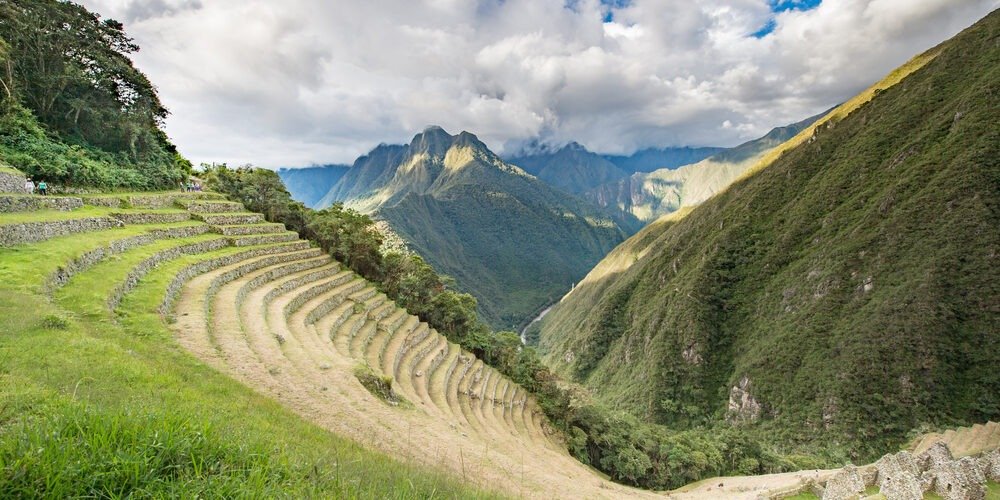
x,y
650,159
648,195
571,168
843,293
310,184
506,237
576,170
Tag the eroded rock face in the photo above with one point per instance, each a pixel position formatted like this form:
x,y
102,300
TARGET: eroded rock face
x,y
957,479
742,405
899,477
848,483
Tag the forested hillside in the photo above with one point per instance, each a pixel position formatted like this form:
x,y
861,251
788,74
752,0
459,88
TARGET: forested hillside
x,y
74,109
842,294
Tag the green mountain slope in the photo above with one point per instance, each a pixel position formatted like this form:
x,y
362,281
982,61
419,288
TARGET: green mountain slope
x,y
648,195
843,292
310,184
512,241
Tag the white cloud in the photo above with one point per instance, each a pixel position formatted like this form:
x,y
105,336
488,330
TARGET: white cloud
x,y
314,81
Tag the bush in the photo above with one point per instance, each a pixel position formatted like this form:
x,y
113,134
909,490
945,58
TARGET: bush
x,y
377,384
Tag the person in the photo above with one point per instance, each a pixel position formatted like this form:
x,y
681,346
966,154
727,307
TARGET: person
x,y
42,188
29,186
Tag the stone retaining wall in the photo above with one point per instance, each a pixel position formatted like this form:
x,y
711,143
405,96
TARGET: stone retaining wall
x,y
300,300
309,262
88,259
151,200
25,203
152,218
263,239
230,219
32,232
144,267
412,340
186,274
249,229
11,182
249,267
214,206
327,306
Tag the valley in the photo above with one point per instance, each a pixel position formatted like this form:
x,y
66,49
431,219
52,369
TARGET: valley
x,y
579,300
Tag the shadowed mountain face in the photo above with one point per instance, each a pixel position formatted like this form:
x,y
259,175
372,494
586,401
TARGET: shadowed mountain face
x,y
844,292
310,184
649,195
511,240
650,159
572,168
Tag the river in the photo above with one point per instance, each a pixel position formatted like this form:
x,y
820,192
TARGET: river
x,y
536,320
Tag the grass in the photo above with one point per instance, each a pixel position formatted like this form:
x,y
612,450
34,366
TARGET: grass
x,y
9,170
992,490
98,405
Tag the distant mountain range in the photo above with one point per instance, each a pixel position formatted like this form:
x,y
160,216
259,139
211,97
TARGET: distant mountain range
x,y
574,169
650,159
649,195
511,240
310,184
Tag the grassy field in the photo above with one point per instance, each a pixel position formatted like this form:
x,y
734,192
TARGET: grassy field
x,y
95,404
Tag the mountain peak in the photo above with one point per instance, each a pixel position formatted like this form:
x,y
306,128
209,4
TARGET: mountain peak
x,y
433,141
468,139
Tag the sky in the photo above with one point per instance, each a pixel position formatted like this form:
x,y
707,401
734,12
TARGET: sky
x,y
301,82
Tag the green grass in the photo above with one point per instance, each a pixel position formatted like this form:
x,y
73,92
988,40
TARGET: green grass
x,y
25,267
992,490
98,405
10,170
802,496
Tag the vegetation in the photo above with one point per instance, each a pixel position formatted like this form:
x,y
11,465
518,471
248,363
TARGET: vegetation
x,y
377,384
850,282
73,108
101,405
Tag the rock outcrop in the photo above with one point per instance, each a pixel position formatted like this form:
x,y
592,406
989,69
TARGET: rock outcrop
x,y
743,407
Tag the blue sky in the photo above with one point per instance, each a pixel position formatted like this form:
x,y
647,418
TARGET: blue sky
x,y
778,6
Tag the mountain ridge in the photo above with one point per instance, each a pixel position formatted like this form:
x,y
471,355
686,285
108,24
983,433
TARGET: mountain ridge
x,y
475,217
839,292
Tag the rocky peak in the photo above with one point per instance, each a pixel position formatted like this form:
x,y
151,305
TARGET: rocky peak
x,y
433,141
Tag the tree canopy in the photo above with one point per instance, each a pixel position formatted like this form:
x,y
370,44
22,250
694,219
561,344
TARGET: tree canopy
x,y
75,108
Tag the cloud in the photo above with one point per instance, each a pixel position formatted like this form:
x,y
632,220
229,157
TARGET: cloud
x,y
314,81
